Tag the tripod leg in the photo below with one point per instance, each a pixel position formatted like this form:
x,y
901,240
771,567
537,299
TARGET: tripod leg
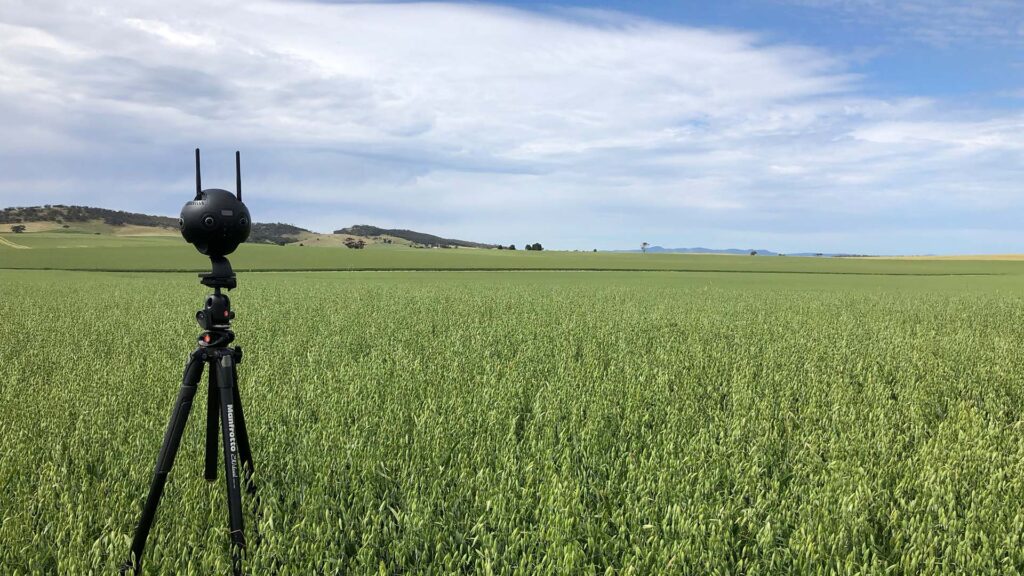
x,y
245,453
212,414
244,450
225,383
165,460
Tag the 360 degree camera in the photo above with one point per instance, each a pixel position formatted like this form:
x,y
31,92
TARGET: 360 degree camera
x,y
216,222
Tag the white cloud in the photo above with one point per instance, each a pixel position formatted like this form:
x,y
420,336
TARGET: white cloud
x,y
963,137
169,34
483,121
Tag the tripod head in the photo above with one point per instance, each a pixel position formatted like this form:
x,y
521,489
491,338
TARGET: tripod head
x,y
216,222
215,320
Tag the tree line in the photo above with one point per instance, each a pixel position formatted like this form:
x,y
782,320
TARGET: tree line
x,y
534,246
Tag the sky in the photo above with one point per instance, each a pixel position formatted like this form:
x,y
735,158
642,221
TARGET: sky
x,y
854,126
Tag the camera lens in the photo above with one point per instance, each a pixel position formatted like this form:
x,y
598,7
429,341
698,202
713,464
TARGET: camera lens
x,y
243,221
181,222
209,221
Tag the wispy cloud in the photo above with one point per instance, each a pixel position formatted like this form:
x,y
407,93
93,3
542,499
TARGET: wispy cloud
x,y
936,22
578,129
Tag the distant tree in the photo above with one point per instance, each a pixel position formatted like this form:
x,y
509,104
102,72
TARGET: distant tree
x,y
18,228
537,246
500,247
511,246
354,244
595,249
753,252
643,247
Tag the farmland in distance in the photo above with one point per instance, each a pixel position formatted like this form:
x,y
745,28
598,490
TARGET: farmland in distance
x,y
62,251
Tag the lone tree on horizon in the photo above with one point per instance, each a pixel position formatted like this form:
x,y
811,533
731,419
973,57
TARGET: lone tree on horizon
x,y
643,247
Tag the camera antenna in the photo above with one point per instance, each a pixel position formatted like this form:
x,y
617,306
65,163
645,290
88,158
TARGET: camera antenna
x,y
199,182
238,175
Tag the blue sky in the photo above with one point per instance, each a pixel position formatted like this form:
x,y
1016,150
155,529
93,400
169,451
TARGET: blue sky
x,y
872,126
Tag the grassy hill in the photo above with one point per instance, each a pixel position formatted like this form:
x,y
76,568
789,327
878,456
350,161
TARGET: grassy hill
x,y
58,218
64,216
416,238
102,221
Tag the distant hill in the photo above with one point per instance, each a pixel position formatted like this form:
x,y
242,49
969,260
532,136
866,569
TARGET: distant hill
x,y
261,233
702,250
276,233
60,213
117,222
410,235
740,251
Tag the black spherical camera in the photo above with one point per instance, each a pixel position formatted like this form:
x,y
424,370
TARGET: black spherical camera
x,y
217,221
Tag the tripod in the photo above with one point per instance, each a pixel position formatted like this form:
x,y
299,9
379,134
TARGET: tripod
x,y
224,405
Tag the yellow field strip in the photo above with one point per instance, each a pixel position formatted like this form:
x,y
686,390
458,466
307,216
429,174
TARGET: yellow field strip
x,y
9,244
987,257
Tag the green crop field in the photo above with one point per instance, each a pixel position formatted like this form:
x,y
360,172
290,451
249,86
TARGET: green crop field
x,y
48,241
728,415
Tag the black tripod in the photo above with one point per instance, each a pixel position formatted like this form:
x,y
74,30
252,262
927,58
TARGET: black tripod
x,y
223,404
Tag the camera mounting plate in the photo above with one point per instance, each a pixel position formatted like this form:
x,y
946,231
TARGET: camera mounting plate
x,y
222,276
